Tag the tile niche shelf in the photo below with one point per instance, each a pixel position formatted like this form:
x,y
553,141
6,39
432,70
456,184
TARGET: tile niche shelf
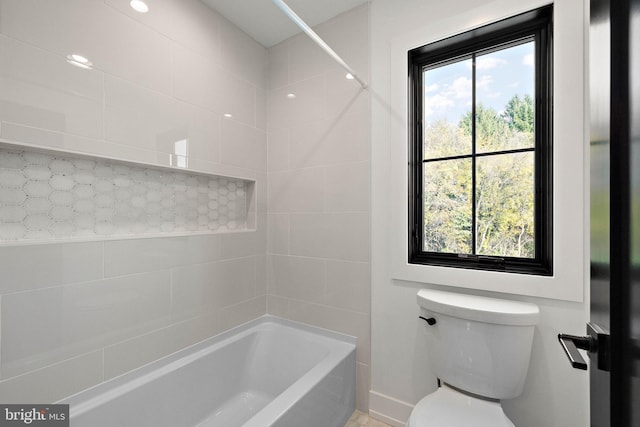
x,y
48,196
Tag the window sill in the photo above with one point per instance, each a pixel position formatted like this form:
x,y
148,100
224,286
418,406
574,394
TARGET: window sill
x,y
554,287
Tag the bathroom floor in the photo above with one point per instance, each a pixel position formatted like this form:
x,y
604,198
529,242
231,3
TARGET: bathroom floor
x,y
359,419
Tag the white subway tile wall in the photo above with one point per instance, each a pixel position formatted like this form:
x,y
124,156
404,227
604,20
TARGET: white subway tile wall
x,y
74,314
47,196
319,156
164,76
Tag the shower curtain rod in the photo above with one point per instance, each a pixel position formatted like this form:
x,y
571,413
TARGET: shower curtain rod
x,y
316,38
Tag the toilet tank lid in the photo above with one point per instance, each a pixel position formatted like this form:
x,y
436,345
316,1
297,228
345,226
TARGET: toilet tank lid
x,y
479,309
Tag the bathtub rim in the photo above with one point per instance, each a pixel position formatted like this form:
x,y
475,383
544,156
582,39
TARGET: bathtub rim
x,y
92,397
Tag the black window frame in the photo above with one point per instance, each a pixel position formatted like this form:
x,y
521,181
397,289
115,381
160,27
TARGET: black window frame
x,y
538,25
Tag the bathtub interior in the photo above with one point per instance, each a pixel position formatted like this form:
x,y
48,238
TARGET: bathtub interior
x,y
275,361
219,385
280,357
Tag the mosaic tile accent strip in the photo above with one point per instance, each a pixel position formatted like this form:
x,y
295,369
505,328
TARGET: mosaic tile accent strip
x,y
54,196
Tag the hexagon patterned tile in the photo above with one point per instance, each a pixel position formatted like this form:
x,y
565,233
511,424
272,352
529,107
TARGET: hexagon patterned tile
x,y
55,196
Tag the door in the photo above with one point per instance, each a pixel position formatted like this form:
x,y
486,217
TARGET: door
x,y
612,340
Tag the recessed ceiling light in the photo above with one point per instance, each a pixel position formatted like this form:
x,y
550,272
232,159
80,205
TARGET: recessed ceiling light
x,y
227,115
79,58
291,95
139,6
79,61
350,76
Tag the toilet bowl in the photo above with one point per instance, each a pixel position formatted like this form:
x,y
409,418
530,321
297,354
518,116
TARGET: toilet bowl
x,y
450,407
479,348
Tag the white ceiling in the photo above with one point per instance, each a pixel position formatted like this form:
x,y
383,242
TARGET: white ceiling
x,y
268,25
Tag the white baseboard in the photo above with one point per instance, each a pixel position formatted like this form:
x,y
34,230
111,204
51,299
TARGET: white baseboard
x,y
388,409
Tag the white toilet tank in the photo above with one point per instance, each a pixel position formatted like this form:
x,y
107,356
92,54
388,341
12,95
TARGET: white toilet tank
x,y
478,344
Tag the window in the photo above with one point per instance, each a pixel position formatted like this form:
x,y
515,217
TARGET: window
x,y
480,171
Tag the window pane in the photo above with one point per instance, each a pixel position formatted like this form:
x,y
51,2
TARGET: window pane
x,y
447,206
505,81
447,99
505,205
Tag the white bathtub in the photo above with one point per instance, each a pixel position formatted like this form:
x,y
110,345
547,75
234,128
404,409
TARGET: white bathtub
x,y
269,372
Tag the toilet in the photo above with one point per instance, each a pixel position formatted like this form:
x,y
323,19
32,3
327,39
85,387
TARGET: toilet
x,y
479,348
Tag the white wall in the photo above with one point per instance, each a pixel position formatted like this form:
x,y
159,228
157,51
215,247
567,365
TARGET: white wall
x,y
318,198
76,314
554,394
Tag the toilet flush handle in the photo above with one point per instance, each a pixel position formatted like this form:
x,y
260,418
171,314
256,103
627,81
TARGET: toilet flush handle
x,y
431,320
